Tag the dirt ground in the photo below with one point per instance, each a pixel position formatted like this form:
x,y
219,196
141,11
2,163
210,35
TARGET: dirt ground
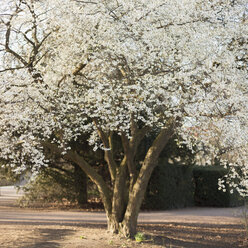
x,y
190,228
171,235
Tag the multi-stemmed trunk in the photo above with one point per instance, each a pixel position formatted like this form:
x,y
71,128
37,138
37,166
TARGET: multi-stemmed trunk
x,y
122,200
127,198
124,220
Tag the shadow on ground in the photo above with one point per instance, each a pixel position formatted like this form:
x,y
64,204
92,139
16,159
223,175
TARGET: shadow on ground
x,y
48,238
192,235
172,234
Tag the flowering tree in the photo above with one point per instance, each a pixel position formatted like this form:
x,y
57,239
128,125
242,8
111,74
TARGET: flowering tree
x,y
119,69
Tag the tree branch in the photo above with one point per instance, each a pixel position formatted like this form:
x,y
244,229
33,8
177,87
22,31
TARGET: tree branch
x,y
150,161
108,152
93,175
8,49
76,72
129,153
130,148
12,69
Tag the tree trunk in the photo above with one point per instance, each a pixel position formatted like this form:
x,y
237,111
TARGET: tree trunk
x,y
113,224
136,194
126,228
122,203
129,223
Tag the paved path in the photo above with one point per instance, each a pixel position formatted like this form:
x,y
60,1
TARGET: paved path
x,y
10,214
192,215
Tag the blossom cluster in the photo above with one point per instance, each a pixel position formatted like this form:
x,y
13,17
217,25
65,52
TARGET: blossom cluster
x,y
68,67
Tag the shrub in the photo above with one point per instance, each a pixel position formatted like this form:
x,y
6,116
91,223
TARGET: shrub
x,y
177,186
206,188
6,177
53,186
170,186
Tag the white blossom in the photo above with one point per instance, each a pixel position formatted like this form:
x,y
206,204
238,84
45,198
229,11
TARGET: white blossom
x,y
142,61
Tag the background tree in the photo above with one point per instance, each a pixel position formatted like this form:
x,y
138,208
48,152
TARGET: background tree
x,y
119,69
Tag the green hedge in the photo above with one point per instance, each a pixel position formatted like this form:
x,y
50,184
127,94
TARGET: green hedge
x,y
170,186
178,186
206,188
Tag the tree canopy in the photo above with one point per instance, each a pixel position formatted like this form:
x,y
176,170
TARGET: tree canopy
x,y
123,68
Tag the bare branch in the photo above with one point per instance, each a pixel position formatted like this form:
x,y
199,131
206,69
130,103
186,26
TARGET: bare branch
x,y
42,41
8,49
188,22
34,27
12,69
41,57
78,1
25,36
